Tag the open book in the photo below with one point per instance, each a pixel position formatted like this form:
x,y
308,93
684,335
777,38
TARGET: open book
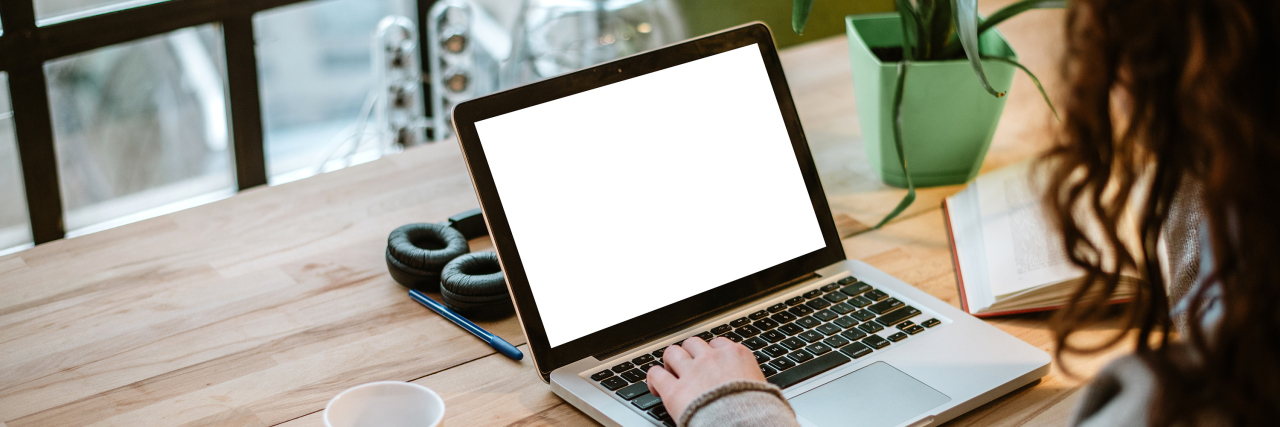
x,y
1008,258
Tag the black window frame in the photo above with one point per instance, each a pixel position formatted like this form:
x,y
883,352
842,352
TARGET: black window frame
x,y
25,47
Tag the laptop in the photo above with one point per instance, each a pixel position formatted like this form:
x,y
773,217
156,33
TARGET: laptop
x,y
671,194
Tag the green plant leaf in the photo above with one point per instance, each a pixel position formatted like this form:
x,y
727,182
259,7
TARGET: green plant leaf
x,y
1016,8
897,143
911,26
800,14
1033,77
939,29
966,16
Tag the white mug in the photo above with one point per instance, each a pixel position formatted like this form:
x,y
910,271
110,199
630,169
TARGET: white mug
x,y
385,404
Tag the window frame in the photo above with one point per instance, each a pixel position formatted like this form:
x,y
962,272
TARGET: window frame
x,y
25,47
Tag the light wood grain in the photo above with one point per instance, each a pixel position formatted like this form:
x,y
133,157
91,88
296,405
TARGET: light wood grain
x,y
255,310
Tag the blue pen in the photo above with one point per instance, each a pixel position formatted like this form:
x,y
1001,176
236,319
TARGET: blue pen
x,y
494,341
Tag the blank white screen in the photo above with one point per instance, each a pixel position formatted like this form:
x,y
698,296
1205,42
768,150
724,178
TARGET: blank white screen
x,y
676,182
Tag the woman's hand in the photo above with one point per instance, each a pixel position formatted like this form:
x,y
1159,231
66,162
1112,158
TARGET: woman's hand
x,y
696,367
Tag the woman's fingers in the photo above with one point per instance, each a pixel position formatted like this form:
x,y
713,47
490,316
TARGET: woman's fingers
x,y
721,343
696,347
677,359
659,380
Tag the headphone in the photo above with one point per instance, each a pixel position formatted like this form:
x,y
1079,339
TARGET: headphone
x,y
435,257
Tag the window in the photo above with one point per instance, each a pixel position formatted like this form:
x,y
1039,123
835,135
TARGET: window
x,y
141,128
15,230
125,109
315,74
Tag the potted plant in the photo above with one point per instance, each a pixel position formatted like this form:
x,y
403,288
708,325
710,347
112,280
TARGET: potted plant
x,y
940,119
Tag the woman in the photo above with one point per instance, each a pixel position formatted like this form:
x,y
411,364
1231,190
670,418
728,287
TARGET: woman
x,y
1177,100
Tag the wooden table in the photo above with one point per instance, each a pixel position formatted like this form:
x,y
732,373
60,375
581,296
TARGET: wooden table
x,y
256,310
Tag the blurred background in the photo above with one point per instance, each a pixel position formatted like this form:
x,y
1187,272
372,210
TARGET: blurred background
x,y
142,128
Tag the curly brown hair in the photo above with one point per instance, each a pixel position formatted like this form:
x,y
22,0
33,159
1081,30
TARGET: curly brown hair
x,y
1161,92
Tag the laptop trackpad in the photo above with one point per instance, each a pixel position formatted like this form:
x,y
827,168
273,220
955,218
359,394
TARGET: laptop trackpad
x,y
877,395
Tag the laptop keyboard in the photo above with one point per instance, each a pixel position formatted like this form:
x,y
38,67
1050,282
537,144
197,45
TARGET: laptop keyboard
x,y
810,333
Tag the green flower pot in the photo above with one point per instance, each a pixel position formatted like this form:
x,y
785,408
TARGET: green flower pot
x,y
948,119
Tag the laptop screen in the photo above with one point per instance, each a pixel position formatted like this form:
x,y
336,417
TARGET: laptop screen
x,y
673,183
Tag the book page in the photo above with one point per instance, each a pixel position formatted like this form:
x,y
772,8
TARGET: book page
x,y
1023,251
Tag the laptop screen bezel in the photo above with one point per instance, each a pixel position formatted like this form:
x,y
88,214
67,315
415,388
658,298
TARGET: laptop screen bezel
x,y
547,358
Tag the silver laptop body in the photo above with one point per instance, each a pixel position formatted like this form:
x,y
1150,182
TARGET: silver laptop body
x,y
613,249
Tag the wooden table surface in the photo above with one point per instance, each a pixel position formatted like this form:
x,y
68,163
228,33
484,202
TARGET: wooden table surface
x,y
256,310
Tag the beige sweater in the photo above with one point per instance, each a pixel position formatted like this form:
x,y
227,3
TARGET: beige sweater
x,y
1118,396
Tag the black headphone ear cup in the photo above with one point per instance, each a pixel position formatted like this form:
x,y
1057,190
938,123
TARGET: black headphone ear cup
x,y
416,253
474,283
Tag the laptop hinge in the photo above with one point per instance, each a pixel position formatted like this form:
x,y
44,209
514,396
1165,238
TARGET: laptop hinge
x,y
642,341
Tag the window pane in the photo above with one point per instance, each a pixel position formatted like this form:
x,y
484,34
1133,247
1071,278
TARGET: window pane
x,y
54,11
315,76
15,228
141,128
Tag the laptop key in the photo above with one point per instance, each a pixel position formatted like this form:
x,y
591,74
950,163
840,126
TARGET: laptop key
x,y
876,295
720,330
836,342
705,335
898,336
783,317
774,351
659,413
812,336
853,334
791,329
847,280
793,343
817,304
600,376
845,322
899,315
761,357
747,331
645,367
885,306
856,350
812,294
831,287
870,327
779,307
855,289
765,324
633,375
859,301
876,342
795,301
767,370
754,343
773,336
800,356
758,315
732,336
623,367
818,349
828,329
913,329
800,310
633,391
614,383
782,364
835,297
643,359
825,315
807,322
740,322
843,308
863,315
809,370
905,325
931,323
646,402
658,353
